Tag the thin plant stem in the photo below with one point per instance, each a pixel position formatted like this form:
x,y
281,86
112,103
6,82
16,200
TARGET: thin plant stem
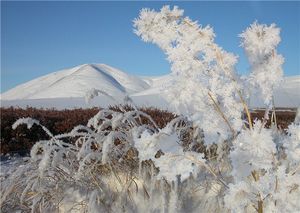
x,y
274,112
218,109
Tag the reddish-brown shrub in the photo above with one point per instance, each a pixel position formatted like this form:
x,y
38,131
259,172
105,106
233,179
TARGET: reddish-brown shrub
x,y
21,139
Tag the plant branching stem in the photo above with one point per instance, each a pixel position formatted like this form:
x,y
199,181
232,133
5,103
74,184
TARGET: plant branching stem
x,y
219,57
218,109
260,202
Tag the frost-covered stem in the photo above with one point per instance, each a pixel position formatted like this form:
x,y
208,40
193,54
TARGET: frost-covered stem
x,y
140,169
260,206
273,119
101,190
218,109
260,202
246,109
294,172
245,106
208,169
30,122
91,94
150,119
115,174
276,184
264,120
255,175
219,57
173,203
152,183
274,112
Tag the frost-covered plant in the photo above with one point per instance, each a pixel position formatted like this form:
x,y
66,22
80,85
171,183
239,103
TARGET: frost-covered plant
x,y
205,86
174,161
260,42
208,90
118,164
264,180
99,169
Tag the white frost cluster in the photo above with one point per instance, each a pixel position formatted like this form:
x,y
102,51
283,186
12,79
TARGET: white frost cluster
x,y
160,27
173,162
260,42
277,190
149,144
92,93
28,121
262,174
292,145
203,72
252,150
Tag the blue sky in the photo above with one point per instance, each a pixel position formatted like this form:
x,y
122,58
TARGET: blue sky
x,y
41,37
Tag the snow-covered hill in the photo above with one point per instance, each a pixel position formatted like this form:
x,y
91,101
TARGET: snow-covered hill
x,y
67,88
75,82
286,95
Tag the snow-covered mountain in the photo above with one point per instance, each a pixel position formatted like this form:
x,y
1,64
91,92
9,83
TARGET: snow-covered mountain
x,y
76,82
67,89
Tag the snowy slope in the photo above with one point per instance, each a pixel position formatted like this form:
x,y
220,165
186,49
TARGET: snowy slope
x,y
286,95
67,88
157,85
75,82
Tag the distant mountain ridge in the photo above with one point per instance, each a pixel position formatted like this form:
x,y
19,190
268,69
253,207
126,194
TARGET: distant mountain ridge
x,y
71,85
75,82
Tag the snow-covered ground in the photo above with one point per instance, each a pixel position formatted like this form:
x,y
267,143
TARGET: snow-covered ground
x,y
67,89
